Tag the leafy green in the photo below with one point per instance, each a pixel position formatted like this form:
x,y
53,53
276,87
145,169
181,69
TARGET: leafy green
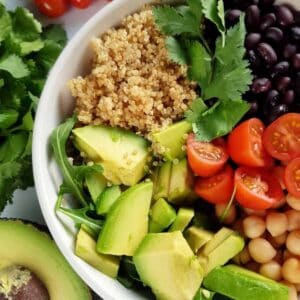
x,y
27,52
197,108
175,50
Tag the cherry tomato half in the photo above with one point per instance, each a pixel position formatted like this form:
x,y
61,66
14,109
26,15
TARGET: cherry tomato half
x,y
245,145
52,8
82,4
292,177
279,172
216,189
256,188
281,139
206,159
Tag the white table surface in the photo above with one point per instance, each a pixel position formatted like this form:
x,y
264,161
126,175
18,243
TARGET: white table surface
x,y
25,204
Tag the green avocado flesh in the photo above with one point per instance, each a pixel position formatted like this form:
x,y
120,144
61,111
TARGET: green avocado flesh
x,y
166,263
241,284
127,221
86,249
32,249
172,140
122,154
96,184
163,181
183,218
197,237
106,200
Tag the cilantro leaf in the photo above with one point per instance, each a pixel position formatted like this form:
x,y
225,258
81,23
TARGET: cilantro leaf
x,y
14,65
196,8
8,117
5,23
197,108
55,33
220,119
175,50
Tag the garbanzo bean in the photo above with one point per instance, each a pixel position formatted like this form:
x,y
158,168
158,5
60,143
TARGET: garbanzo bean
x,y
293,219
254,226
293,242
293,202
276,223
271,269
261,250
291,270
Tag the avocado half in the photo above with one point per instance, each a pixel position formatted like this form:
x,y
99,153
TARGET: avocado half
x,y
30,262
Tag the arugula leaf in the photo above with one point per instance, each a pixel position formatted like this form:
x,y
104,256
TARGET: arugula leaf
x,y
14,65
219,119
175,50
196,109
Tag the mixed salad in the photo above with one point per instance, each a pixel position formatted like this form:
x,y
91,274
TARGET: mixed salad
x,y
209,206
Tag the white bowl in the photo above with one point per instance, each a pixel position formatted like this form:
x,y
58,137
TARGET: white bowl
x,y
55,105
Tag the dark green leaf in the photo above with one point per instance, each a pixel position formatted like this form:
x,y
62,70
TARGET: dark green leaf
x,y
55,33
196,8
196,110
8,117
5,23
175,50
14,65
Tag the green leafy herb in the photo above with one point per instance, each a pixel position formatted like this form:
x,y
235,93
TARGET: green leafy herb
x,y
197,108
14,65
175,50
227,208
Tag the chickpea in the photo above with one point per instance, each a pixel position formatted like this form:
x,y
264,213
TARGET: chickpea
x,y
291,270
293,242
276,223
293,219
261,250
254,226
277,241
292,290
231,215
293,202
271,269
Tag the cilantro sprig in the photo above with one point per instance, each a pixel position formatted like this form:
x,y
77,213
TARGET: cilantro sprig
x,y
27,52
220,70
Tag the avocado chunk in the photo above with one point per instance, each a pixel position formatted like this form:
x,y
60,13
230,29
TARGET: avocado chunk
x,y
166,263
86,249
183,219
181,183
162,184
197,237
172,139
122,154
35,251
162,215
127,221
241,284
107,199
96,184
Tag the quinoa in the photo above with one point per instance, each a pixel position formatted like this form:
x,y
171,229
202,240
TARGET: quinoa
x,y
132,83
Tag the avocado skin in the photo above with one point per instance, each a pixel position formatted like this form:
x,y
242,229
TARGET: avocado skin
x,y
37,252
241,284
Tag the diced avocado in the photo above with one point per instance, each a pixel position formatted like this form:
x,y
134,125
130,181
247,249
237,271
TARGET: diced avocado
x,y
86,249
163,181
183,218
172,139
228,249
204,294
96,183
241,284
122,153
162,215
127,221
107,199
181,183
197,237
166,263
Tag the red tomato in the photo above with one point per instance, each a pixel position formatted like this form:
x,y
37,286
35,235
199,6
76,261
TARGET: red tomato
x,y
279,172
216,189
292,177
206,159
81,3
52,8
256,188
245,145
282,137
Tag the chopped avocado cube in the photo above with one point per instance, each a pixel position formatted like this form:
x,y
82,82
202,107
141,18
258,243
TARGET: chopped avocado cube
x,y
96,183
228,249
86,249
107,199
162,215
183,218
126,223
166,263
197,237
122,153
163,181
172,139
181,183
241,284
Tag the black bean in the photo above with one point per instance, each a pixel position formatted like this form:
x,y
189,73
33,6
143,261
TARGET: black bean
x,y
252,17
280,68
252,40
232,16
284,16
272,97
274,34
296,61
253,107
261,85
289,50
267,21
288,97
277,111
266,3
295,33
267,53
283,83
297,84
254,59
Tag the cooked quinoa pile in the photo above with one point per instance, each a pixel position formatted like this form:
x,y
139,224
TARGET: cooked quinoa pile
x,y
132,84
